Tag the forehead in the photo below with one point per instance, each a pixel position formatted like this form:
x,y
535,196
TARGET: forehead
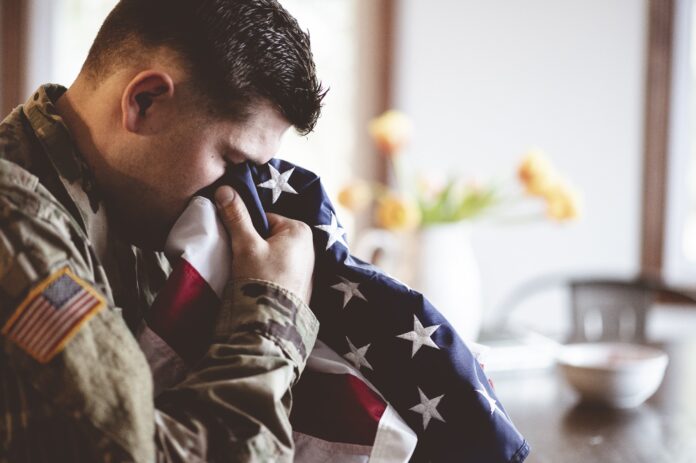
x,y
264,117
258,135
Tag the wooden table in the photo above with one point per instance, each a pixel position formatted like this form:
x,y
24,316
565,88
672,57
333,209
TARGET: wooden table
x,y
560,430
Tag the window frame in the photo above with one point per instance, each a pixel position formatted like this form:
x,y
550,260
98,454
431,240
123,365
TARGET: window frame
x,y
677,269
658,89
13,35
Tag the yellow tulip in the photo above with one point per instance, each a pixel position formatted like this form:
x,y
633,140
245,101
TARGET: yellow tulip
x,y
398,213
536,173
562,202
391,131
355,196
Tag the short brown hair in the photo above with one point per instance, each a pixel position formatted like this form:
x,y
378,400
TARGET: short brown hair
x,y
238,51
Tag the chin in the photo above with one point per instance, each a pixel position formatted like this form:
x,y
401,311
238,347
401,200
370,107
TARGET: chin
x,y
144,239
146,235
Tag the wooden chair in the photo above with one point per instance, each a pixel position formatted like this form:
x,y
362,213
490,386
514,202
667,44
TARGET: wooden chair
x,y
606,309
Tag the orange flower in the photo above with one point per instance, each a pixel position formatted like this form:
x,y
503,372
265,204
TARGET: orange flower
x,y
562,202
536,173
391,131
398,213
355,196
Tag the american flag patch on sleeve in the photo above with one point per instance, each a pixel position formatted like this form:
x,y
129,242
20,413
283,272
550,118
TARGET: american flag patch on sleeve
x,y
52,313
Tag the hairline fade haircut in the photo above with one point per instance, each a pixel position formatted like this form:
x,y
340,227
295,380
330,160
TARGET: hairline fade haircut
x,y
238,52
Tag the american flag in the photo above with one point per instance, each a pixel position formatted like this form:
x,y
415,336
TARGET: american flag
x,y
409,361
51,314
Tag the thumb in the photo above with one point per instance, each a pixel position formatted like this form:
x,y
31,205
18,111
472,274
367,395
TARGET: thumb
x,y
235,215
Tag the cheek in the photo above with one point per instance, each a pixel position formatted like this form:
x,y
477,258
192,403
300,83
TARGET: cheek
x,y
197,171
191,163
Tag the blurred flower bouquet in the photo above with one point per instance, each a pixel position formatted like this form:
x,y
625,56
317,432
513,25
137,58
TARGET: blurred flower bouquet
x,y
423,234
429,201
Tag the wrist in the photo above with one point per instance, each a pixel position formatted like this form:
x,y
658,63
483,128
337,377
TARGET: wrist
x,y
293,295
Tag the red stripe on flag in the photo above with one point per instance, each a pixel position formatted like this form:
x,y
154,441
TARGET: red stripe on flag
x,y
336,408
184,312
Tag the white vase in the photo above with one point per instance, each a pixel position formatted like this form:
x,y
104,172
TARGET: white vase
x,y
437,261
446,272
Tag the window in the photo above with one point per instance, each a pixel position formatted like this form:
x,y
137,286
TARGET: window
x,y
680,232
329,150
60,34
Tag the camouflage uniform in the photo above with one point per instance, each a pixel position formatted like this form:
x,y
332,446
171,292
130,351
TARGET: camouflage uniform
x,y
93,399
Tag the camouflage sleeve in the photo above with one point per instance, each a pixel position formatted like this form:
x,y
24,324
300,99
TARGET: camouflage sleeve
x,y
74,385
81,389
236,403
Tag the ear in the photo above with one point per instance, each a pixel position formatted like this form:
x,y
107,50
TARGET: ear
x,y
143,95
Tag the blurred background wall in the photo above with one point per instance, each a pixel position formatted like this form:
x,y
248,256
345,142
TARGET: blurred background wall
x,y
485,81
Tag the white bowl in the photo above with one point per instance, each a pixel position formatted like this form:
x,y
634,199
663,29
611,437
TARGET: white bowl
x,y
615,374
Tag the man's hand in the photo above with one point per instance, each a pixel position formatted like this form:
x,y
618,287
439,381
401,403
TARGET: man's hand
x,y
285,258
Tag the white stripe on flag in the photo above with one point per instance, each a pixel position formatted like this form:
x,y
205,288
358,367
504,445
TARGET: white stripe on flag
x,y
310,449
201,239
394,441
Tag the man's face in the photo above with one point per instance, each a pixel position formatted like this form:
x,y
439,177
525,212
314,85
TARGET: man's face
x,y
159,173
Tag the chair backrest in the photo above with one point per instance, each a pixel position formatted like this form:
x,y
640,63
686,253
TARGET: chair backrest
x,y
602,309
616,310
610,310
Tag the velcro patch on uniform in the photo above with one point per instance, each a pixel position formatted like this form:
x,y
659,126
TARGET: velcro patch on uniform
x,y
52,313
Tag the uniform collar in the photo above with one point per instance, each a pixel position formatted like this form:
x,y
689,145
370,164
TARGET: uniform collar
x,y
72,170
61,148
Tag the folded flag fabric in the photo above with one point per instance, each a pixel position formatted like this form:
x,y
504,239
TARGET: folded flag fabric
x,y
337,415
398,345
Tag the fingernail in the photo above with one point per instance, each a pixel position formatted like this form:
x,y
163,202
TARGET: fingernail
x,y
224,195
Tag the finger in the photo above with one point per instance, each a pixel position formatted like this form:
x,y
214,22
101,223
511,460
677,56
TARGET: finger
x,y
280,224
276,221
311,287
235,217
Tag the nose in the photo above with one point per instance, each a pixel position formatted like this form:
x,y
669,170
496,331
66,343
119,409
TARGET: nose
x,y
265,159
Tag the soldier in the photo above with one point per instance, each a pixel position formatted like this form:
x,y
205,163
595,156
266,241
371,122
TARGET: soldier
x,y
92,179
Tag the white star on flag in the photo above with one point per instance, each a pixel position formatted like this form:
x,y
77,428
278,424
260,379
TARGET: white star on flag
x,y
335,232
420,336
428,408
278,182
349,289
491,401
356,356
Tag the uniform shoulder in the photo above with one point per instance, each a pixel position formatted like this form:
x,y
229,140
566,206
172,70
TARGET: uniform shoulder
x,y
37,234
15,177
21,189
17,141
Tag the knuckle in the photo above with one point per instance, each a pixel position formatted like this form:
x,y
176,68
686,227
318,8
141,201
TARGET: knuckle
x,y
233,214
249,249
302,229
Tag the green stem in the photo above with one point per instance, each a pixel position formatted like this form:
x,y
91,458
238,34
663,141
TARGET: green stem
x,y
398,174
519,220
